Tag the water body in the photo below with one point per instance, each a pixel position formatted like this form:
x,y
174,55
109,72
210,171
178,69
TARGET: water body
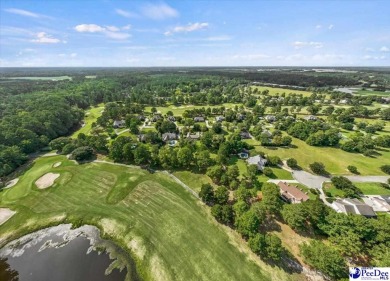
x,y
62,254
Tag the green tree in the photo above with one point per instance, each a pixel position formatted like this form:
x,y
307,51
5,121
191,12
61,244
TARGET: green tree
x,y
221,195
248,224
202,159
82,153
59,143
318,168
207,193
141,154
184,157
292,163
271,198
324,258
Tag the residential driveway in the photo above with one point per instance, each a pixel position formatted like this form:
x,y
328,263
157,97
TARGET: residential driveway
x,y
310,180
368,178
286,181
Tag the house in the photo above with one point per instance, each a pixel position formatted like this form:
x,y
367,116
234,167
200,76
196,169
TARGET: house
x,y
353,206
270,118
258,161
245,135
169,136
378,203
199,119
292,194
311,118
240,117
171,118
193,136
119,123
386,100
141,118
155,118
141,138
219,118
343,102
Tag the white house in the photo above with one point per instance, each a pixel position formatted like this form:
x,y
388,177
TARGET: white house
x,y
119,123
378,203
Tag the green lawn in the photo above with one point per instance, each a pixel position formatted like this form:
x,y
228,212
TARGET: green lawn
x,y
91,115
372,188
335,192
170,234
336,160
366,92
195,181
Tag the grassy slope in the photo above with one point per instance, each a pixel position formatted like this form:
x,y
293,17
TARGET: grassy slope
x,y
171,234
274,91
336,160
368,188
91,116
179,110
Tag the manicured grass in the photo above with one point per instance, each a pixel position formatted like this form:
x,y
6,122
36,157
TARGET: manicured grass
x,y
335,192
372,188
194,181
170,234
91,116
366,92
274,91
335,160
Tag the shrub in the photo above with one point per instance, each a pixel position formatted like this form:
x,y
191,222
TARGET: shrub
x,y
352,169
386,169
82,153
292,163
274,160
318,168
268,172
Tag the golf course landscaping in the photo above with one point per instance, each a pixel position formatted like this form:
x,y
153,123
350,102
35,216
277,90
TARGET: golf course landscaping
x,y
168,233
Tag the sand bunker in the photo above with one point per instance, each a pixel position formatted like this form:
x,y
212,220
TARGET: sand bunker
x,y
11,183
46,180
57,164
5,214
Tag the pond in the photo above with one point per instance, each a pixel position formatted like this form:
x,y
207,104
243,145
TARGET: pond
x,y
62,254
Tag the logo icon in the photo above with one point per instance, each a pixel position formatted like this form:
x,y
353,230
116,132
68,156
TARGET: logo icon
x,y
354,272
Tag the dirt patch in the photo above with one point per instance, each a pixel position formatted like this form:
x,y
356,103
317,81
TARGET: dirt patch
x,y
46,180
11,183
57,164
5,214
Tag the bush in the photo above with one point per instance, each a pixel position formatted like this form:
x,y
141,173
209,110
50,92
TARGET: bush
x,y
385,185
292,163
69,148
352,169
386,169
318,168
274,160
268,172
82,153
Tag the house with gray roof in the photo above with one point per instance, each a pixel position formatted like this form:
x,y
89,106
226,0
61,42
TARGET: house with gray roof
x,y
119,124
353,206
258,161
169,136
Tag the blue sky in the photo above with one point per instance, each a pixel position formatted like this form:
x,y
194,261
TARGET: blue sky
x,y
194,33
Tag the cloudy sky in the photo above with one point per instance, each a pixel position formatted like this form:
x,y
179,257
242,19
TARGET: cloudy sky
x,y
194,33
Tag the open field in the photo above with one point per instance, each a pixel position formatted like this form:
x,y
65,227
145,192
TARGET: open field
x,y
368,188
170,234
52,78
91,115
274,91
335,160
372,188
195,181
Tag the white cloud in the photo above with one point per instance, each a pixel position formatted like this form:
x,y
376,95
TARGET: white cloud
x,y
159,11
251,57
73,55
369,50
112,28
126,27
24,13
117,35
331,26
44,38
300,44
109,30
318,26
384,49
367,57
126,14
188,28
89,28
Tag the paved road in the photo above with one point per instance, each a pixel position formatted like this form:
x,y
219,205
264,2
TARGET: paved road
x,y
309,180
368,178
